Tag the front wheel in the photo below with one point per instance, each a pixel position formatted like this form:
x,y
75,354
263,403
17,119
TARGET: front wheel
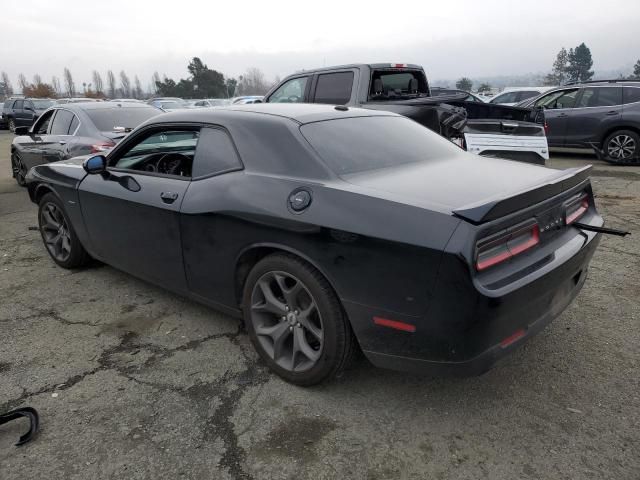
x,y
622,146
58,235
12,125
295,320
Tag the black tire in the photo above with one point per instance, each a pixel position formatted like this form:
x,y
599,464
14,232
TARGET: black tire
x,y
59,237
622,147
11,124
337,344
18,169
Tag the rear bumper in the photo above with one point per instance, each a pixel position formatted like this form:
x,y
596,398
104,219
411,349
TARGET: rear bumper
x,y
467,336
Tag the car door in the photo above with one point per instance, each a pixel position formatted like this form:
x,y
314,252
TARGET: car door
x,y
30,146
28,113
558,106
132,211
54,144
597,110
18,114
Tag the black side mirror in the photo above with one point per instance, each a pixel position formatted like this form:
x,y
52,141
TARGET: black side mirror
x,y
96,164
21,131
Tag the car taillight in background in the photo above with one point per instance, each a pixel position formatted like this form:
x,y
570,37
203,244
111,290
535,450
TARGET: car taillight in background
x,y
503,246
102,147
546,128
576,209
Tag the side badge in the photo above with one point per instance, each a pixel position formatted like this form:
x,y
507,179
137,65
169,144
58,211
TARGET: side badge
x,y
299,200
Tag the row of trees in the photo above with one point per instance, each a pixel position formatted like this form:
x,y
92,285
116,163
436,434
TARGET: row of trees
x,y
466,84
202,82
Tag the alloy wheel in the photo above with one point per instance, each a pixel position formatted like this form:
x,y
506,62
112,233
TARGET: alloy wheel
x,y
287,321
18,169
621,147
12,125
55,232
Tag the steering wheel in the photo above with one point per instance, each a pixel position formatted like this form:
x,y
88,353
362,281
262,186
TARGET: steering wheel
x,y
171,163
293,99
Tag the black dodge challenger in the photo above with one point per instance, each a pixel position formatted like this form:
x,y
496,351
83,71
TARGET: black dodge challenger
x,y
329,227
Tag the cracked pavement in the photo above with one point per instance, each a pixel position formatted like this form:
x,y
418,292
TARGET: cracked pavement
x,y
134,382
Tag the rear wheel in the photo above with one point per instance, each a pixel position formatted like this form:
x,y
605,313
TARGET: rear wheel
x,y
12,125
18,169
295,320
622,146
58,235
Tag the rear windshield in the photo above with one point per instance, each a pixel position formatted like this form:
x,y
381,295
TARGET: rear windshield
x,y
359,144
105,119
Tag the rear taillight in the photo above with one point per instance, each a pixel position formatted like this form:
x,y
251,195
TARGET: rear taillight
x,y
546,128
102,147
576,209
503,246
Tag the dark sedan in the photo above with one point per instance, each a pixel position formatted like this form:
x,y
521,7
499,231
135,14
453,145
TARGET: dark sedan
x,y
70,130
329,227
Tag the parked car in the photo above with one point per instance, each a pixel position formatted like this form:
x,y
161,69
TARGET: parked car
x,y
66,131
247,99
604,115
62,101
169,105
468,96
131,100
210,102
328,227
480,128
21,112
515,95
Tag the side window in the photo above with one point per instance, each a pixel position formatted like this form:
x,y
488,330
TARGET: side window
x,y
28,106
291,92
631,94
165,152
61,123
42,124
18,105
509,97
334,88
525,94
600,97
559,99
215,153
75,123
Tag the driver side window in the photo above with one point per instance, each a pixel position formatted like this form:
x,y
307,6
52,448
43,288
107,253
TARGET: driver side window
x,y
165,152
291,92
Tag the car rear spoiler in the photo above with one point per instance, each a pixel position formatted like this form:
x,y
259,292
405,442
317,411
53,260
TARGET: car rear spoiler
x,y
490,210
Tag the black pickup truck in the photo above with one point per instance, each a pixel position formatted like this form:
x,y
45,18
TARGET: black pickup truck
x,y
481,128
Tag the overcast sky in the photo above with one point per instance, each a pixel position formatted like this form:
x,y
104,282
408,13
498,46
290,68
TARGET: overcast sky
x,y
451,39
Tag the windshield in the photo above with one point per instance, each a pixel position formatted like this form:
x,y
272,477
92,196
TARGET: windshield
x,y
106,119
42,104
353,145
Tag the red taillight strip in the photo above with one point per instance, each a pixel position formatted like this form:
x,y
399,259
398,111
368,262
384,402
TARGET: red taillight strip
x,y
532,242
511,251
385,322
513,338
490,262
584,206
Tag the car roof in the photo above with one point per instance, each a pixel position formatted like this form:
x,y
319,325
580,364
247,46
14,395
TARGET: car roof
x,y
84,106
298,112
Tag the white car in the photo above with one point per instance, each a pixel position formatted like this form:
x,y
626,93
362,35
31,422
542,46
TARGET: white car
x,y
514,95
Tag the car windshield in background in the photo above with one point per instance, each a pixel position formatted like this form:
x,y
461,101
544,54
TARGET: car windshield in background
x,y
42,104
106,120
352,145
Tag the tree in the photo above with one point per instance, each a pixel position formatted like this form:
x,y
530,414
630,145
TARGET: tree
x,y
253,82
69,86
55,84
138,88
464,84
97,82
111,84
558,74
125,84
206,82
155,80
580,62
39,90
230,87
7,88
484,87
22,82
636,71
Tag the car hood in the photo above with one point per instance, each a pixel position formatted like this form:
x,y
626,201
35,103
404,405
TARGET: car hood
x,y
452,183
